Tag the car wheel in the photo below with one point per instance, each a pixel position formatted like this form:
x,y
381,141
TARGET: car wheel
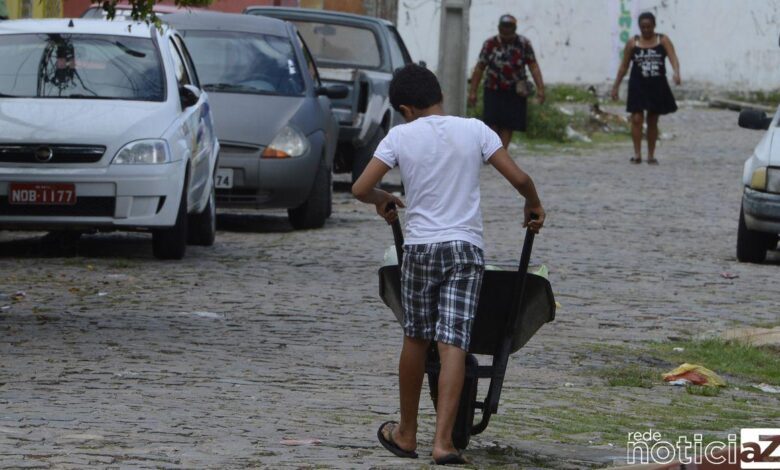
x,y
313,212
203,227
364,154
751,245
171,243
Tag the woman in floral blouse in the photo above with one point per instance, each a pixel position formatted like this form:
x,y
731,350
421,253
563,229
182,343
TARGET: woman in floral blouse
x,y
503,60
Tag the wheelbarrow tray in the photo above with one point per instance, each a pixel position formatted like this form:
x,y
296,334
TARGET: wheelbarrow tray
x,y
494,308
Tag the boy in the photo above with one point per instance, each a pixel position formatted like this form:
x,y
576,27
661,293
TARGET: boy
x,y
440,158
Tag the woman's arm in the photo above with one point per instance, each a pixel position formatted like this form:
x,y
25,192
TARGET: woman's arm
x,y
536,73
667,43
627,51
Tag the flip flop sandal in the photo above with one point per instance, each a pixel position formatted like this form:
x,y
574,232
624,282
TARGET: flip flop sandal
x,y
635,160
390,445
451,459
652,161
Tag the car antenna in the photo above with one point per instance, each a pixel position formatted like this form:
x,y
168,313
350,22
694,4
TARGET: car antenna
x,y
70,23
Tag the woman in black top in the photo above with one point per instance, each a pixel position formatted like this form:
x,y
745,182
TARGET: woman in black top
x,y
648,89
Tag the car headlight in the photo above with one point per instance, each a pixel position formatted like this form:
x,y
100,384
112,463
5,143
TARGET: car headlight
x,y
289,142
773,180
143,152
758,180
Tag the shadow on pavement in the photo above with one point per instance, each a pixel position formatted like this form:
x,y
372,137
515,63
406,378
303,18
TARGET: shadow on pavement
x,y
52,245
255,223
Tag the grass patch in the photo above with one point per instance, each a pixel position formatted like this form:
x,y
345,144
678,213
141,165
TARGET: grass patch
x,y
755,364
568,94
768,98
547,123
632,376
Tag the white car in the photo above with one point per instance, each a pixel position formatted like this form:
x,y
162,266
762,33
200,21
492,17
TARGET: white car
x,y
759,217
103,126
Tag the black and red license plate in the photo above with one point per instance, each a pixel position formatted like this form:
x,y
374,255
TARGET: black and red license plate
x,y
42,194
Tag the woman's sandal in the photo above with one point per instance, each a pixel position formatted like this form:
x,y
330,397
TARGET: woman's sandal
x,y
635,160
652,161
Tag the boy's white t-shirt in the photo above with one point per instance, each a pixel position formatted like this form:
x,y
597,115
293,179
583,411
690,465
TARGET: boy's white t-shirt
x,y
440,158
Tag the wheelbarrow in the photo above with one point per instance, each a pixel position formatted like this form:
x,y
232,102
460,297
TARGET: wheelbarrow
x,y
512,306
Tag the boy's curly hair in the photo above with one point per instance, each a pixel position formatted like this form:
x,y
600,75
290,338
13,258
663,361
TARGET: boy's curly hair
x,y
414,85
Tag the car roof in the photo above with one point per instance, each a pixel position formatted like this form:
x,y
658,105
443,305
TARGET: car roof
x,y
79,26
325,15
213,21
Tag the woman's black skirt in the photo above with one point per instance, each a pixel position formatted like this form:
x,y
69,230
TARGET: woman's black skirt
x,y
505,109
650,94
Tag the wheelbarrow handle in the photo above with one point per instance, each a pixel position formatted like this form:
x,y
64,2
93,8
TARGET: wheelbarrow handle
x,y
398,235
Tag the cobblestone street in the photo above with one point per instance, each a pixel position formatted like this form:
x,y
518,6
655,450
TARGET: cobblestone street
x,y
273,349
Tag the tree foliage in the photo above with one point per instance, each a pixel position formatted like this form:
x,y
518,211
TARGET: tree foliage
x,y
143,10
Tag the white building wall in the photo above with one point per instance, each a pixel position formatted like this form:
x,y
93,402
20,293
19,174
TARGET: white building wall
x,y
721,43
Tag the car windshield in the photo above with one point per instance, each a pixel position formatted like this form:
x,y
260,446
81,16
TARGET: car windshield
x,y
234,62
339,45
80,66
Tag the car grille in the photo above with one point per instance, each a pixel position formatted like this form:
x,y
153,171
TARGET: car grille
x,y
84,207
37,153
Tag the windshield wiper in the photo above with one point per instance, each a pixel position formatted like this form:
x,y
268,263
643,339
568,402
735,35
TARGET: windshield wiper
x,y
234,87
92,97
129,51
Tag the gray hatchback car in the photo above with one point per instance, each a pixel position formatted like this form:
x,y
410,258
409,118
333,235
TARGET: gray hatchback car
x,y
273,117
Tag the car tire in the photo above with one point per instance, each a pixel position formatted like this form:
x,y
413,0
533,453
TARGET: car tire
x,y
364,154
751,245
171,243
313,212
202,228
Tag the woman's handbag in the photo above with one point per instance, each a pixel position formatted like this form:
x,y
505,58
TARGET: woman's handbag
x,y
524,88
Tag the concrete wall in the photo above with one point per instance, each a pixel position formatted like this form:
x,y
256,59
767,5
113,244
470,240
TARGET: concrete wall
x,y
720,43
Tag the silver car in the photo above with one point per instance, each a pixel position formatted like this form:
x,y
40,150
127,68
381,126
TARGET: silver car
x,y
273,117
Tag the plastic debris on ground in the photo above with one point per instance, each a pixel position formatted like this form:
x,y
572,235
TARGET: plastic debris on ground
x,y
695,374
678,349
300,442
728,275
768,388
571,134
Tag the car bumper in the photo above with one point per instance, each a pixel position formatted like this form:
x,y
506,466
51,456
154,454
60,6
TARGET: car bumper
x,y
265,183
762,211
128,197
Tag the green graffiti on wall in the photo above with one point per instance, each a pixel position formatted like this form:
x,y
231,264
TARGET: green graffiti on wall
x,y
624,23
3,9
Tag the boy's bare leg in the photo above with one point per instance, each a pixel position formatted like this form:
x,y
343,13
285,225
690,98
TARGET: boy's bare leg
x,y
411,370
453,370
637,119
652,135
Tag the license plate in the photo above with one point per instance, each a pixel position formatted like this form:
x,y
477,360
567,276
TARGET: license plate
x,y
224,178
42,194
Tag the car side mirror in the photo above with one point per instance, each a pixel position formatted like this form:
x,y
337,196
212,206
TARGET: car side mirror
x,y
754,119
188,96
335,92
422,63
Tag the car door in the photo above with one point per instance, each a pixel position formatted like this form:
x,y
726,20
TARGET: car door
x,y
330,124
195,125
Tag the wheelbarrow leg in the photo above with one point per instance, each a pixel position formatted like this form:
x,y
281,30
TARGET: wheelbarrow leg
x,y
461,432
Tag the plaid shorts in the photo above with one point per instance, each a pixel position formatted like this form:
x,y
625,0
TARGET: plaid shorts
x,y
440,285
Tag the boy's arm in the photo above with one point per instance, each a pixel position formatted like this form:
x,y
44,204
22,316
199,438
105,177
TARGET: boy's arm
x,y
502,162
365,190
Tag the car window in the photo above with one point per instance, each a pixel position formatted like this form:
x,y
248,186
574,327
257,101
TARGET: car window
x,y
234,62
182,77
188,63
398,49
80,66
309,61
340,45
